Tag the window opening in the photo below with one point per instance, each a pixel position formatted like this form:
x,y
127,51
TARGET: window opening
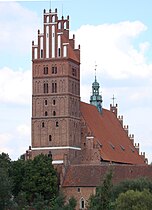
x,y
59,52
41,53
45,102
57,124
54,102
42,124
50,138
54,113
45,88
54,69
45,70
82,203
55,87
46,114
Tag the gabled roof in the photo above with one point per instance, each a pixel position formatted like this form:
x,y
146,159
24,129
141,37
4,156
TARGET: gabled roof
x,y
108,131
92,175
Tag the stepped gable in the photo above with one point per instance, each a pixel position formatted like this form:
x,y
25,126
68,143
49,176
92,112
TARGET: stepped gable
x,y
116,146
92,175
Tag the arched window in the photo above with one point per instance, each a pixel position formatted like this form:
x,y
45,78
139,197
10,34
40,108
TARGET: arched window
x,y
54,87
57,124
45,102
45,70
50,138
42,124
54,69
46,114
45,88
82,203
54,113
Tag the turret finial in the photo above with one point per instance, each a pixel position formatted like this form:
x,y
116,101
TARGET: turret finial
x,y
95,71
113,99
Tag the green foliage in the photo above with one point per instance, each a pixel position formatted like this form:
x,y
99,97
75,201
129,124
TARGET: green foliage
x,y
35,178
5,182
18,174
101,200
59,203
136,184
134,200
30,184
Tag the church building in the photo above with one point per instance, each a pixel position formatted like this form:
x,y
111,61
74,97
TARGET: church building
x,y
84,139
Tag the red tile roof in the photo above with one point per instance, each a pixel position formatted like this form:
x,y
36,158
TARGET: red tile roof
x,y
92,175
108,131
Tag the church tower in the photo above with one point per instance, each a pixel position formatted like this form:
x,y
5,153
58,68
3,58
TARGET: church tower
x,y
56,90
96,98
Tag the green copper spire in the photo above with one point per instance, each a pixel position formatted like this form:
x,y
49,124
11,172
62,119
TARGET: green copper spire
x,y
95,98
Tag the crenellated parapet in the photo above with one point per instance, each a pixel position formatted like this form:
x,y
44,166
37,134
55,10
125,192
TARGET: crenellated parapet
x,y
114,109
131,136
120,118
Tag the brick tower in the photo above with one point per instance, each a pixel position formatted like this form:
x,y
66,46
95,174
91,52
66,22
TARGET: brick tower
x,y
56,90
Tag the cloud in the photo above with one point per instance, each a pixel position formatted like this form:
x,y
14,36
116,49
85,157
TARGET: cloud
x,y
15,86
18,25
24,130
16,143
112,47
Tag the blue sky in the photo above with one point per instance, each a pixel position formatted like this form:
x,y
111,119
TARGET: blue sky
x,y
114,34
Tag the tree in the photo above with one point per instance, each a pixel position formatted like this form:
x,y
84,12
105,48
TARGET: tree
x,y
5,182
59,203
137,184
102,199
35,179
134,200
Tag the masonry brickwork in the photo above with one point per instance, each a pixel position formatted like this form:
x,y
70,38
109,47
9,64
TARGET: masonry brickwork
x,y
84,140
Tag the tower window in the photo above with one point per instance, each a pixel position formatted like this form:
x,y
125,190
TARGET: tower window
x,y
42,124
45,70
50,138
45,88
54,69
54,87
59,52
54,113
57,124
45,102
74,72
54,102
46,114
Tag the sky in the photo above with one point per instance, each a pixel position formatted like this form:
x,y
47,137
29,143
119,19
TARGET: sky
x,y
115,35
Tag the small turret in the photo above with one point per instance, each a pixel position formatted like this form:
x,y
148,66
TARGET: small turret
x,y
96,98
